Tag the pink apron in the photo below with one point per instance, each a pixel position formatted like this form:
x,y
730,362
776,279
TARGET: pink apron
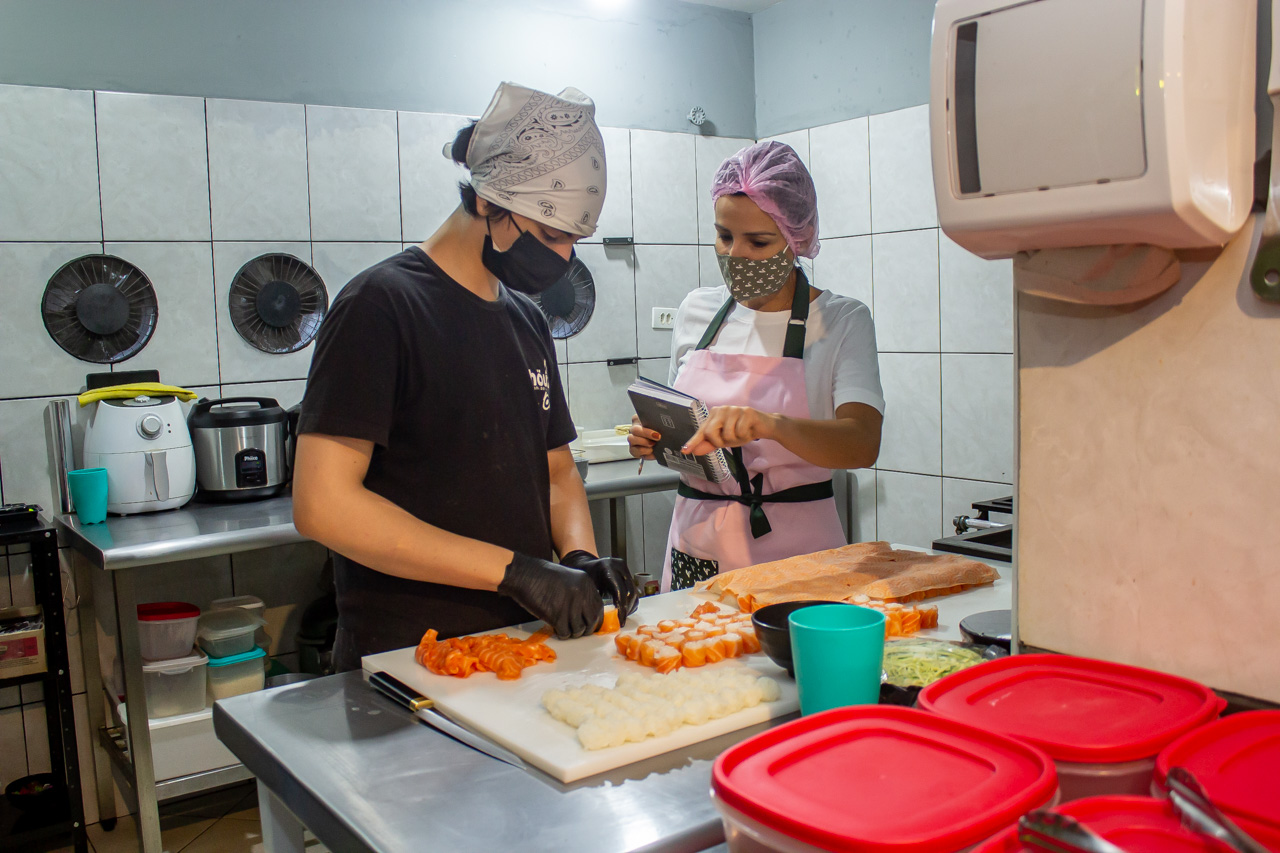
x,y
782,506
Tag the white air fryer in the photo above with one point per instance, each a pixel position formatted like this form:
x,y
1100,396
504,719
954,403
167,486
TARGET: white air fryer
x,y
144,444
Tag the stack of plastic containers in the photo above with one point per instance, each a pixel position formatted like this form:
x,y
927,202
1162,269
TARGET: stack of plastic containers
x,y
1102,723
1237,762
875,779
236,664
172,671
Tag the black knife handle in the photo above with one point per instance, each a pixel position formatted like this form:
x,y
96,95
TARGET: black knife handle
x,y
394,688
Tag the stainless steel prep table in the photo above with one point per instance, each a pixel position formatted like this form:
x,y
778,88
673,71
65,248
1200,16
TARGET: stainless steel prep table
x,y
202,530
363,775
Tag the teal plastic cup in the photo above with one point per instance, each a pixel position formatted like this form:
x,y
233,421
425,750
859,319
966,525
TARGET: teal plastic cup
x,y
838,651
89,494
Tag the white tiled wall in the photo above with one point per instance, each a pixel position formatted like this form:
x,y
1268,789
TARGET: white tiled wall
x,y
192,188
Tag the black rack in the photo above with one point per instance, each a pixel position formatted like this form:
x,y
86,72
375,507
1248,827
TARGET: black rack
x,y
22,830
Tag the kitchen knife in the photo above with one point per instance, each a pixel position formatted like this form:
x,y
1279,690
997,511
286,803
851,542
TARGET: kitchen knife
x,y
1197,811
1046,830
423,708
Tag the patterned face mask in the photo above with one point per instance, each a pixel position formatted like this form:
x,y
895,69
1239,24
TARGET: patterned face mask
x,y
749,278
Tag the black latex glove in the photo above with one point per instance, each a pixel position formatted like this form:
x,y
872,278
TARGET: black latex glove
x,y
565,599
611,576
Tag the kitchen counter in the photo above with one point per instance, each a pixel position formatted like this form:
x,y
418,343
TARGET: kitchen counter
x,y
198,530
208,529
364,775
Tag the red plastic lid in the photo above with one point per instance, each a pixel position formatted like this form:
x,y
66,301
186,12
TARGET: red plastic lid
x,y
1076,709
1135,824
1237,760
883,778
164,611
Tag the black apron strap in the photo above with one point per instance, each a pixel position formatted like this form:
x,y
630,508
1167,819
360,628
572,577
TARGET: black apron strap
x,y
756,500
793,345
752,487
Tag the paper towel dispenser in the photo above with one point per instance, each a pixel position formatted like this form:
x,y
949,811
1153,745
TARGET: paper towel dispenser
x,y
1061,123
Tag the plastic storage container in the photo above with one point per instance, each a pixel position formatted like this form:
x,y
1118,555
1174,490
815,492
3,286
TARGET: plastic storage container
x,y
224,633
1103,723
175,686
254,605
167,629
236,674
876,779
1237,760
1135,824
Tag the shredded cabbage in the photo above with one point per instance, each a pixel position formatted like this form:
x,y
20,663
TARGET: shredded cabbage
x,y
920,662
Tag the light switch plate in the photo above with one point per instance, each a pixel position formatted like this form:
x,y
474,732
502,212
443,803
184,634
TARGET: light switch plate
x,y
664,318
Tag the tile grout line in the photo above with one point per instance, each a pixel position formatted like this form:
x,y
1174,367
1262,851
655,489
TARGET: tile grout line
x,y
213,267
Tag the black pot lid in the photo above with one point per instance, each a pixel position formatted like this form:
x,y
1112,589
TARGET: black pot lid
x,y
100,309
277,302
569,303
990,627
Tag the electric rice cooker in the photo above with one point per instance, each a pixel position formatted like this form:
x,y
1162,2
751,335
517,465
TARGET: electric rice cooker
x,y
241,448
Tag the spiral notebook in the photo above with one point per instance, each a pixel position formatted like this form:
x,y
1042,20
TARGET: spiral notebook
x,y
676,416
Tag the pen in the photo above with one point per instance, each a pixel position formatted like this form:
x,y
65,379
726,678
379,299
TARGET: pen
x,y
640,469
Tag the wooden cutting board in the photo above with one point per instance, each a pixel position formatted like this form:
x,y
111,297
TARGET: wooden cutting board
x,y
511,713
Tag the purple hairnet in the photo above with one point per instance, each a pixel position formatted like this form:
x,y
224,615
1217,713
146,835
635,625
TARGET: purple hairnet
x,y
770,174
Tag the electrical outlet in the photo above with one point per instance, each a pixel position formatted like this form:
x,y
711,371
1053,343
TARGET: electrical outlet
x,y
664,318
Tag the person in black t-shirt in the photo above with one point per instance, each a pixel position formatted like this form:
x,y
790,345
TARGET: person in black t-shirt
x,y
433,440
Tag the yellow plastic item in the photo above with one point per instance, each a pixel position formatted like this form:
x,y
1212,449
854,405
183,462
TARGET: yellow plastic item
x,y
135,389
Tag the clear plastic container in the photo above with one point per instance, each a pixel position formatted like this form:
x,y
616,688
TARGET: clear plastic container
x,y
226,633
175,686
167,629
236,674
806,786
254,605
1096,780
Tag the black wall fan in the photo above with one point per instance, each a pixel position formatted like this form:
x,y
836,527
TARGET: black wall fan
x,y
570,302
100,309
277,303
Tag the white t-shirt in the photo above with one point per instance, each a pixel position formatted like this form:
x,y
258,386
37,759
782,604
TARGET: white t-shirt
x,y
840,362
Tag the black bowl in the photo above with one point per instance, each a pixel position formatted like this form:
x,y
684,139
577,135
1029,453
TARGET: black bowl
x,y
774,633
32,802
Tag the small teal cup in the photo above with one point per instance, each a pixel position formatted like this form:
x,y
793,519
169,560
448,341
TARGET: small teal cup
x,y
838,653
89,494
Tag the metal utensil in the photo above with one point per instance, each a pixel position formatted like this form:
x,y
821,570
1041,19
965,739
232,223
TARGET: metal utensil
x,y
1061,833
423,708
1197,811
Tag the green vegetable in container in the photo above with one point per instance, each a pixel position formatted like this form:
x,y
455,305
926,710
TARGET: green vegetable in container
x,y
920,662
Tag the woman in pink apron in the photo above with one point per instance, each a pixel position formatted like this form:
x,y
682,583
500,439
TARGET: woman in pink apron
x,y
780,501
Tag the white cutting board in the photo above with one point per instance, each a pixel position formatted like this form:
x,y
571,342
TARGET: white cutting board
x,y
511,712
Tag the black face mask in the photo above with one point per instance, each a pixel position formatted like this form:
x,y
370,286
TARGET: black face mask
x,y
528,265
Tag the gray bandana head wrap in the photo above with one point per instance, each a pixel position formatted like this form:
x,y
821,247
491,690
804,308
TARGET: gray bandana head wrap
x,y
748,278
540,156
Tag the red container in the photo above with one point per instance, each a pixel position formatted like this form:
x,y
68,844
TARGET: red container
x,y
1237,760
1103,723
876,779
1135,824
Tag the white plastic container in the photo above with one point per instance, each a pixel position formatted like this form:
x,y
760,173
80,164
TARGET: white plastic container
x,y
226,633
242,673
182,745
167,629
254,605
175,686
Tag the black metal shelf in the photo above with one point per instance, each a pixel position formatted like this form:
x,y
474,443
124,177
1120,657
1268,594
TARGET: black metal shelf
x,y
29,830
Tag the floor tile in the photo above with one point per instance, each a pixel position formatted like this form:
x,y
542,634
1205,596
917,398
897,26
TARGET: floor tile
x,y
176,831
247,807
229,836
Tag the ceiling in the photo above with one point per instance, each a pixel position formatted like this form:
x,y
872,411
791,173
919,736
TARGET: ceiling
x,y
737,5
